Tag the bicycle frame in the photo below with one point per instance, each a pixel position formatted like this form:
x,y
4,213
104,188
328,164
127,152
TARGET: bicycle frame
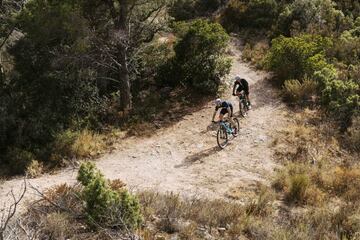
x,y
225,124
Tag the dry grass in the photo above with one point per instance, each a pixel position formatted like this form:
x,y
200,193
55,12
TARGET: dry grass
x,y
87,144
353,135
317,198
167,216
255,53
302,93
56,226
34,169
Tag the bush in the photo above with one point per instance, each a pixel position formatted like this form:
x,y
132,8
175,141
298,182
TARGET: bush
x,y
87,144
104,206
74,144
296,57
252,13
308,16
299,183
345,183
183,10
299,92
255,54
189,9
199,61
18,160
34,169
341,98
57,225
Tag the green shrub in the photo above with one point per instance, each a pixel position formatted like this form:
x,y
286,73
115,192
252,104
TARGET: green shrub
x,y
62,143
299,92
341,98
18,160
293,58
252,13
190,9
308,16
104,206
200,58
183,10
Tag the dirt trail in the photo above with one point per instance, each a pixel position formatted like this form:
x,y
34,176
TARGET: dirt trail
x,y
184,158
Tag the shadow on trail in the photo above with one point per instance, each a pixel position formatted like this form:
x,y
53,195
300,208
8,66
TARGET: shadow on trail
x,y
210,128
198,156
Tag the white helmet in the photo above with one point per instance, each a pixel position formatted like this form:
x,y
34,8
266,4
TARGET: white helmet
x,y
237,78
218,102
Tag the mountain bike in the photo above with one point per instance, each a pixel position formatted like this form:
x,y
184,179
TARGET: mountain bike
x,y
225,131
243,105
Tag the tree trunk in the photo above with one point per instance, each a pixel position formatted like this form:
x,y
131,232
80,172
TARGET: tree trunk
x,y
125,87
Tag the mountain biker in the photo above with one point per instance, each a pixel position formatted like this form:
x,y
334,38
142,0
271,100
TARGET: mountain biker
x,y
226,108
243,85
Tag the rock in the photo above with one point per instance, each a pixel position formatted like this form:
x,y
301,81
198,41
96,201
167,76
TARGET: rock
x,y
159,237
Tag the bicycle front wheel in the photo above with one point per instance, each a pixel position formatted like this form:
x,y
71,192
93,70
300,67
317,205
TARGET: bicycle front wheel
x,y
222,137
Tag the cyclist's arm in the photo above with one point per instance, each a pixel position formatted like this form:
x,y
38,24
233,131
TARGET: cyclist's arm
x,y
235,84
229,111
213,118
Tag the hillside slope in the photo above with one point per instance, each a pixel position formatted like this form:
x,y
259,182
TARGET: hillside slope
x,y
184,158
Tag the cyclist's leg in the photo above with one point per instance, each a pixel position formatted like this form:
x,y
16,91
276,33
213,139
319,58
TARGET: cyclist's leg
x,y
247,93
222,114
230,116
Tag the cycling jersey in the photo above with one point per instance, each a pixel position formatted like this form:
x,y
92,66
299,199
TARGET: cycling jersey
x,y
243,85
224,108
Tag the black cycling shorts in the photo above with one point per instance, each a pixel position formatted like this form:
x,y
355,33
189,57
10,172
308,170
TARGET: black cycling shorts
x,y
225,111
245,89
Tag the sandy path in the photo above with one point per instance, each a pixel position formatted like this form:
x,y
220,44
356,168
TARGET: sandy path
x,y
184,158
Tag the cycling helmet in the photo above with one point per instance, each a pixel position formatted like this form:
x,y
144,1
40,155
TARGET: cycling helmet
x,y
218,102
237,78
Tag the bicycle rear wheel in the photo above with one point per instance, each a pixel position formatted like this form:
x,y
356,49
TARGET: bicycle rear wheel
x,y
243,108
222,137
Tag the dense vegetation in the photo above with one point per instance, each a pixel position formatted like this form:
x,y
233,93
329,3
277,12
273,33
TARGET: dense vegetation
x,y
313,50
63,84
65,77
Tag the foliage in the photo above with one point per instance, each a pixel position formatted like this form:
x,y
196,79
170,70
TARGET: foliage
x,y
20,160
200,58
64,76
296,57
252,13
105,206
182,10
349,7
255,54
342,98
309,16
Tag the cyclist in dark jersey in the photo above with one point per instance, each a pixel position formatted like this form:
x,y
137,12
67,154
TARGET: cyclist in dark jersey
x,y
226,108
242,85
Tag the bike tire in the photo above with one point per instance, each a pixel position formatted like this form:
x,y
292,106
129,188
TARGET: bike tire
x,y
242,108
222,137
236,127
